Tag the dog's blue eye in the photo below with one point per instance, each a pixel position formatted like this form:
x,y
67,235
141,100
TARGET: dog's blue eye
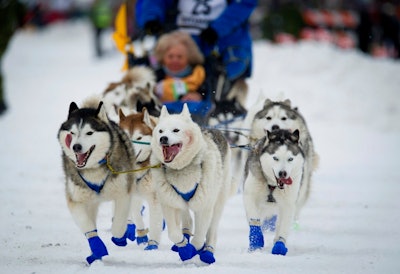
x,y
275,158
290,159
89,133
176,130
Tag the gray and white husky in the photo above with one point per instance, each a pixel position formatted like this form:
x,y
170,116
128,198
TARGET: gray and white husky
x,y
195,175
281,115
91,144
273,115
275,169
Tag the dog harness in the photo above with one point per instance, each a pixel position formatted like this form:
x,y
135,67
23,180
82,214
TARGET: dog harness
x,y
95,187
186,196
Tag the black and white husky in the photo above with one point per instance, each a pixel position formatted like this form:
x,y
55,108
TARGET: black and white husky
x,y
268,115
91,144
195,176
274,169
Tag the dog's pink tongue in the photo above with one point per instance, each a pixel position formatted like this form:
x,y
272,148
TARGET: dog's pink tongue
x,y
287,181
170,152
81,158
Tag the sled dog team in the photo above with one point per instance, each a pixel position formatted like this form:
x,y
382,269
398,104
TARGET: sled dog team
x,y
183,172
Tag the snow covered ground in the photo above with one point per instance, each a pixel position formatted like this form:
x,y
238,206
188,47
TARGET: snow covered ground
x,y
351,102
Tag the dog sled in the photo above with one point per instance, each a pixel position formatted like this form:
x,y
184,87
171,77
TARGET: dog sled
x,y
211,111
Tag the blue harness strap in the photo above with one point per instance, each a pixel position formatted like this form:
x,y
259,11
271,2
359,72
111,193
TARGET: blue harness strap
x,y
186,196
95,187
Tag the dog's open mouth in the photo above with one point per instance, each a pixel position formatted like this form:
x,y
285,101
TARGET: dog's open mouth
x,y
170,152
81,158
283,181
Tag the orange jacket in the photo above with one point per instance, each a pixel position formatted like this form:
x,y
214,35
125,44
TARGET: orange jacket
x,y
171,89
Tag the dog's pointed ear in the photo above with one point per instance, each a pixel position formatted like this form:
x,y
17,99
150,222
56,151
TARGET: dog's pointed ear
x,y
121,115
287,102
101,112
146,118
295,136
164,112
185,112
72,107
267,102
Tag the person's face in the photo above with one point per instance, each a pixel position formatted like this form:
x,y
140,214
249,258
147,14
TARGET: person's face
x,y
176,58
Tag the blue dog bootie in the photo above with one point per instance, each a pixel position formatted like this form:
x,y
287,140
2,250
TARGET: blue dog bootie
x,y
151,245
186,250
130,232
97,246
120,241
280,247
142,236
187,235
256,237
270,224
206,254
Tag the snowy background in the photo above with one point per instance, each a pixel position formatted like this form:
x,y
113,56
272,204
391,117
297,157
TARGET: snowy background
x,y
351,102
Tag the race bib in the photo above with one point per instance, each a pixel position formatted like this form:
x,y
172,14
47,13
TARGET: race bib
x,y
195,15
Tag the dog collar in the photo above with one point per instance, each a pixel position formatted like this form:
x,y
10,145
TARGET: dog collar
x,y
95,187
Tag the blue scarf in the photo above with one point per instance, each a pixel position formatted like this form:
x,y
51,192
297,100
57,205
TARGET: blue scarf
x,y
180,74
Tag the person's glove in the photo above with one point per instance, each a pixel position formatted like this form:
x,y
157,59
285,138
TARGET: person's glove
x,y
209,36
153,27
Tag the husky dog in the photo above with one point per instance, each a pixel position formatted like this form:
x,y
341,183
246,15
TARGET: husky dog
x,y
273,115
134,91
139,128
281,115
274,181
195,175
91,143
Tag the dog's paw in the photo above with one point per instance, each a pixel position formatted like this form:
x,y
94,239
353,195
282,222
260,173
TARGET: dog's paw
x,y
256,238
142,240
98,249
151,245
175,248
119,241
142,236
130,232
206,255
187,252
279,248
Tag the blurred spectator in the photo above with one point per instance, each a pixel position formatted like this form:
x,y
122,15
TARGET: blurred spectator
x,y
101,17
181,73
378,30
12,14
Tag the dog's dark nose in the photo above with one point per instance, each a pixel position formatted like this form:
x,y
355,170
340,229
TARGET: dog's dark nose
x,y
164,140
77,147
275,127
282,174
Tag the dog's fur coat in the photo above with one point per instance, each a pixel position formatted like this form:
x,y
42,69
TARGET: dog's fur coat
x,y
195,175
88,140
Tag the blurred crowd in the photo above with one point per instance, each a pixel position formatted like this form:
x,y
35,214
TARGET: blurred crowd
x,y
369,25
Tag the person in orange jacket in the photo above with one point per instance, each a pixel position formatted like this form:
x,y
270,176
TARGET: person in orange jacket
x,y
181,74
